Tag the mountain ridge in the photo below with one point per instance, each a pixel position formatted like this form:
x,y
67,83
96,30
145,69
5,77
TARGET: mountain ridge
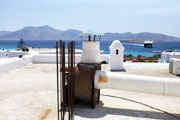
x,y
49,33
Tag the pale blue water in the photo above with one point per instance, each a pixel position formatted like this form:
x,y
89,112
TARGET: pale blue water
x,y
134,48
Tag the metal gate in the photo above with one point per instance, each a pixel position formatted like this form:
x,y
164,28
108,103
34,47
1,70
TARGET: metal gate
x,y
65,79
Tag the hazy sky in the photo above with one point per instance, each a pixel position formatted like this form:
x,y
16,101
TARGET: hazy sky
x,y
159,16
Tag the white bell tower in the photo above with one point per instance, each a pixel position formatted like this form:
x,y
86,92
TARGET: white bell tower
x,y
116,56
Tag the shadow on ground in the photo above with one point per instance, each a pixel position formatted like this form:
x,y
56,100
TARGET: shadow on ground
x,y
101,111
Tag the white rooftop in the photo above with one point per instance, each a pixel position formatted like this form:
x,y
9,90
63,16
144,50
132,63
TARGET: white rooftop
x,y
29,93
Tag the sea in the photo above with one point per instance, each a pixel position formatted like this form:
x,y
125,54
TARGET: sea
x,y
134,48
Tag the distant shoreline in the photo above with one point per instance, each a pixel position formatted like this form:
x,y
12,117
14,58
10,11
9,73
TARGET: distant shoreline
x,y
86,40
131,47
142,41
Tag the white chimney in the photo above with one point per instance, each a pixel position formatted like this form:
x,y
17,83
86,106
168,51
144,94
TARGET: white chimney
x,y
91,48
91,52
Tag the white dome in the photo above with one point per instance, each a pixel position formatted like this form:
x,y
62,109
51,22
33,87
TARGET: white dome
x,y
116,44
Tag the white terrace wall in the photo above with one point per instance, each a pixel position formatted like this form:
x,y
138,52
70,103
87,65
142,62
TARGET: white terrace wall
x,y
11,54
17,54
8,64
4,54
51,58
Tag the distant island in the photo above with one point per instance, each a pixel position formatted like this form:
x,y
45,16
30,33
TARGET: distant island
x,y
142,40
49,33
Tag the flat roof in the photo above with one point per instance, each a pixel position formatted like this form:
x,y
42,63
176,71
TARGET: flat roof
x,y
29,93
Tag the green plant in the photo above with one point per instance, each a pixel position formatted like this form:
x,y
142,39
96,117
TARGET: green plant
x,y
157,57
152,61
141,60
130,55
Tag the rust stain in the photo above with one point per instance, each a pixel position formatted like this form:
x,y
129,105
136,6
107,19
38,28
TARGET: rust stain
x,y
102,79
45,114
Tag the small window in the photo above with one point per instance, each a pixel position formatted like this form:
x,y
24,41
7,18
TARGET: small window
x,y
117,52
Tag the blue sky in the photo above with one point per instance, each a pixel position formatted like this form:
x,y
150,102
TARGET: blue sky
x,y
157,16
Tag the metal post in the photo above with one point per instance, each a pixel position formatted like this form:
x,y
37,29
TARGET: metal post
x,y
94,37
72,77
69,84
61,91
57,79
89,37
63,78
66,91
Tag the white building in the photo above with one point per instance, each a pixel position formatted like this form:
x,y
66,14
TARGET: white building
x,y
165,56
116,56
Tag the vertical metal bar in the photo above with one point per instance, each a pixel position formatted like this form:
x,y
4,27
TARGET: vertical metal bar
x,y
61,93
94,38
74,73
70,80
57,79
72,77
89,37
70,49
69,84
63,78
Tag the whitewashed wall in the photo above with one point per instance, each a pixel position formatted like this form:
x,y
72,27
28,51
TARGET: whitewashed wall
x,y
105,57
17,54
11,54
51,58
8,64
4,54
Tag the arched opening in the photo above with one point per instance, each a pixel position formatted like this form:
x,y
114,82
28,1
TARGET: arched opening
x,y
117,51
